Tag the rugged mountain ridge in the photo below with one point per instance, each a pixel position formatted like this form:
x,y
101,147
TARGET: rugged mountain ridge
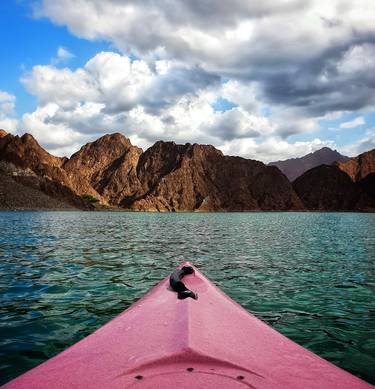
x,y
172,177
358,168
166,177
199,177
327,188
342,186
295,167
28,164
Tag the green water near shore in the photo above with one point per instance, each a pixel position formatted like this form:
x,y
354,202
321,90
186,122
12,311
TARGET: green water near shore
x,y
309,275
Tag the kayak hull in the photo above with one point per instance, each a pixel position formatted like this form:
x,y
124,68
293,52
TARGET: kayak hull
x,y
163,342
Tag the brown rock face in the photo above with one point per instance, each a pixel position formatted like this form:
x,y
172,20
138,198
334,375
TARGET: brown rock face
x,y
105,168
3,133
359,167
26,152
38,169
295,167
198,177
17,194
171,177
329,188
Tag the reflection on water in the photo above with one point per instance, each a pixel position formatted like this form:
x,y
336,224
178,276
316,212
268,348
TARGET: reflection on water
x,y
309,275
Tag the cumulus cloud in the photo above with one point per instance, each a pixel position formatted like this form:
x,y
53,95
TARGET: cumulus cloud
x,y
305,54
8,122
282,67
163,100
237,123
118,82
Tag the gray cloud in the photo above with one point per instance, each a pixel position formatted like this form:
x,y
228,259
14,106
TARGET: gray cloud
x,y
290,47
284,65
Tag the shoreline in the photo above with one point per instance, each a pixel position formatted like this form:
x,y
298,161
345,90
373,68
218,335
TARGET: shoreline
x,y
122,210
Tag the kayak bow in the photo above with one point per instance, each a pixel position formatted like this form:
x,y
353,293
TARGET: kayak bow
x,y
162,341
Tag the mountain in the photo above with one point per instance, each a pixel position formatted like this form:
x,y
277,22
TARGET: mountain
x,y
105,169
295,167
33,171
327,188
166,177
199,177
25,193
112,173
359,167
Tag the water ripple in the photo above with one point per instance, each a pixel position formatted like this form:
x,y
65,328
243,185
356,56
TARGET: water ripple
x,y
309,275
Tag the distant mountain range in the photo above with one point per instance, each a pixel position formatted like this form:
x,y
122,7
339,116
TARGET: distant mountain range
x,y
111,173
295,167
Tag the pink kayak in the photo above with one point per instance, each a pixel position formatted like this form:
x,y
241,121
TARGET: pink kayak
x,y
165,342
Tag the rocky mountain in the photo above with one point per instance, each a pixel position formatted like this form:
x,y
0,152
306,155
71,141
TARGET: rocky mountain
x,y
166,177
295,167
171,177
26,163
342,186
105,169
25,193
327,188
359,167
199,177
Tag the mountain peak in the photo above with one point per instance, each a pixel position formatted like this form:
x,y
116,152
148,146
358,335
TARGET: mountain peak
x,y
3,133
295,167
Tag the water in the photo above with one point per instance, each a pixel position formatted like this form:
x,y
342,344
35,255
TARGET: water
x,y
309,275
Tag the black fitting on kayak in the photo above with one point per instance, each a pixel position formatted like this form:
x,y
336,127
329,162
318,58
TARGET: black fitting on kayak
x,y
178,286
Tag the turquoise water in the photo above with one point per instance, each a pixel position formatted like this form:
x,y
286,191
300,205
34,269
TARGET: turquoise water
x,y
309,275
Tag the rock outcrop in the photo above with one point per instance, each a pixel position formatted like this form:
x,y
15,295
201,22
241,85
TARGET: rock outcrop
x,y
105,169
295,167
199,177
15,195
167,177
172,177
30,165
327,188
26,153
359,167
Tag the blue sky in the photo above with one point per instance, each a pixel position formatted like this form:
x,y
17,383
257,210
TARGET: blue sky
x,y
154,72
27,41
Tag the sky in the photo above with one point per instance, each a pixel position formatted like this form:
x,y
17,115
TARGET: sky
x,y
266,80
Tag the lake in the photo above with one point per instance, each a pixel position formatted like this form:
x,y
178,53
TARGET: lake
x,y
311,276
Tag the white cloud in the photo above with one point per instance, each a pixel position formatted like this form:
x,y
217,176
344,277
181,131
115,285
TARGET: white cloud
x,y
160,100
285,65
7,97
40,124
237,123
273,148
64,54
366,143
211,30
165,100
358,121
358,58
223,35
8,121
